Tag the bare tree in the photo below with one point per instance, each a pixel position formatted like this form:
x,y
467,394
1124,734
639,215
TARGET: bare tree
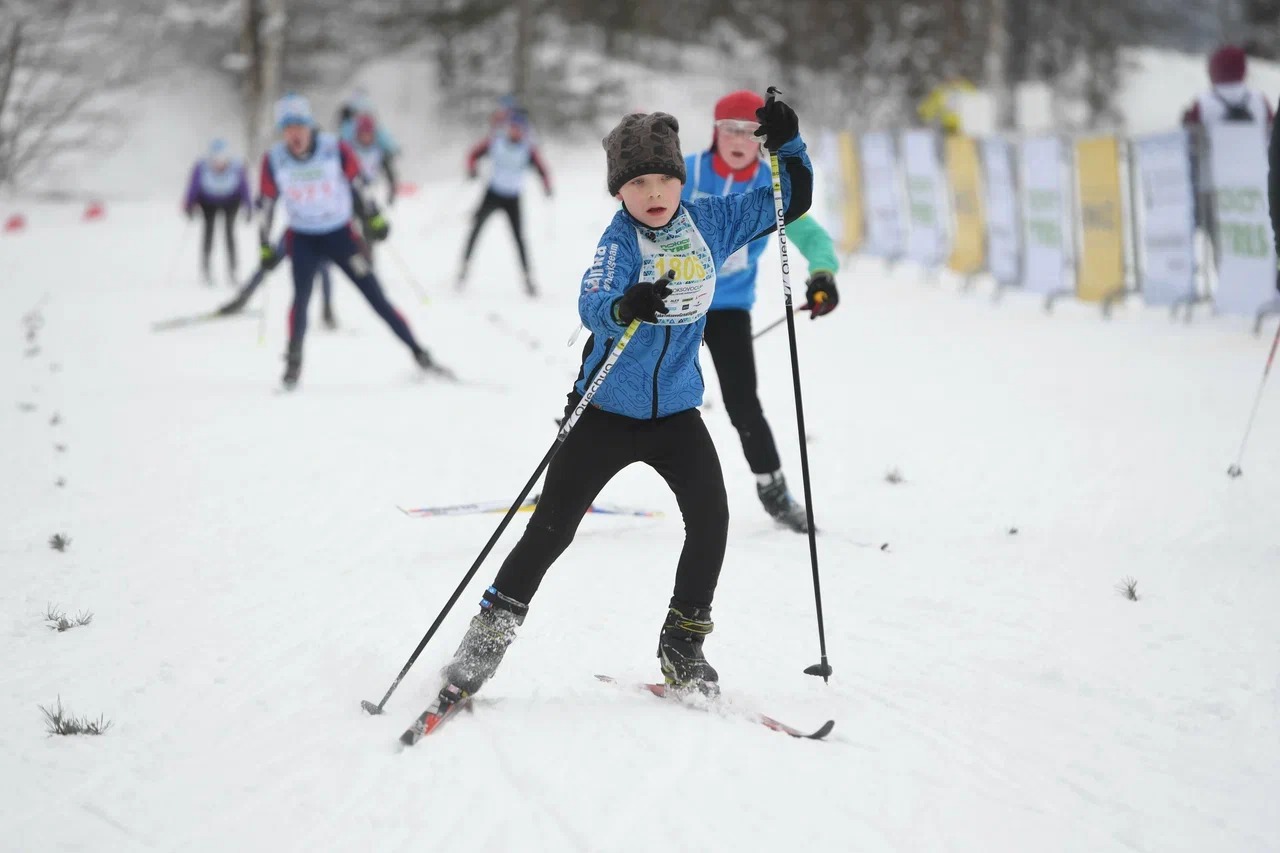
x,y
262,57
57,80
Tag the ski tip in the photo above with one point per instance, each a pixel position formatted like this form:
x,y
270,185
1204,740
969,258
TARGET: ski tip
x,y
824,731
409,738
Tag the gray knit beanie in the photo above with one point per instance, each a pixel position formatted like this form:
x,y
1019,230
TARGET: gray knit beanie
x,y
642,145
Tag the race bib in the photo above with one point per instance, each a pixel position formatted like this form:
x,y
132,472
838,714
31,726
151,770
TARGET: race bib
x,y
680,249
315,191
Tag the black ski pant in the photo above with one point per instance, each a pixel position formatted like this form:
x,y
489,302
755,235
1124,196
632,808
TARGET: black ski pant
x,y
728,336
511,205
308,252
210,213
600,445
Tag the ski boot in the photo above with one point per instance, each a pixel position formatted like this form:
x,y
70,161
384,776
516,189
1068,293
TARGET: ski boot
x,y
684,667
235,306
330,321
427,363
530,289
779,503
206,275
460,283
292,367
486,641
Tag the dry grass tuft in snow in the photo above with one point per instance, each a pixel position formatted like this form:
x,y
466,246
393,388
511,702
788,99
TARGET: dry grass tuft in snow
x,y
59,622
62,723
1128,588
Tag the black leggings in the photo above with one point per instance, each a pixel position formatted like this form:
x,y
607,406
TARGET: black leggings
x,y
211,212
601,444
510,204
728,336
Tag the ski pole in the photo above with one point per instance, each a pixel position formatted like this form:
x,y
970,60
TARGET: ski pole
x,y
769,328
821,668
601,375
408,274
1234,470
262,318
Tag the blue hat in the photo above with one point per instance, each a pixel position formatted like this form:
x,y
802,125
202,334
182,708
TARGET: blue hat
x,y
293,109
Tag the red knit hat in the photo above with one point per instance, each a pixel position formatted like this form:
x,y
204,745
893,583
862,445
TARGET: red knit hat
x,y
741,104
1227,65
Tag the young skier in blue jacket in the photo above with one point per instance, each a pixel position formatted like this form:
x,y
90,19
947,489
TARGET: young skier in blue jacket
x,y
646,410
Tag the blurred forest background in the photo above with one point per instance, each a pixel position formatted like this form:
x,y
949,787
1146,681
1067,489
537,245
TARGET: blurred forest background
x,y
67,67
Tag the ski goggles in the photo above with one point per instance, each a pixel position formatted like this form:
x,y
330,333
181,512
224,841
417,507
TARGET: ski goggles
x,y
737,127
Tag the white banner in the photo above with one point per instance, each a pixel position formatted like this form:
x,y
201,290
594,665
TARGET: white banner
x,y
882,200
927,210
1246,255
1045,223
1166,222
1004,238
828,198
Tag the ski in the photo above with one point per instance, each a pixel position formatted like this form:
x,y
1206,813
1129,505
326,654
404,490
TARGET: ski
x,y
528,505
467,509
661,691
447,704
611,509
197,319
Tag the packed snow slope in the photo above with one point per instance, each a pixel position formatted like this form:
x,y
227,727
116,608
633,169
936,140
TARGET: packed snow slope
x,y
251,580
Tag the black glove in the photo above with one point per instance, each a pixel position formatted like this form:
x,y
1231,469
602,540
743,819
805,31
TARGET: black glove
x,y
377,227
820,295
268,258
778,123
642,301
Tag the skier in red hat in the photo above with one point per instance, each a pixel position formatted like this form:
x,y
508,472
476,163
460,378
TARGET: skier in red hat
x,y
732,165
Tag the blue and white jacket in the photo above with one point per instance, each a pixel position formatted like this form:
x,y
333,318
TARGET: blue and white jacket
x,y
659,374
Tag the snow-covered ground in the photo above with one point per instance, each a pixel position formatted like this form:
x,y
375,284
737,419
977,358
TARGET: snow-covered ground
x,y
251,580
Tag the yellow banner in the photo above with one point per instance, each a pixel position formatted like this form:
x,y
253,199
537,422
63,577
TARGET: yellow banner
x,y
968,244
1101,266
851,206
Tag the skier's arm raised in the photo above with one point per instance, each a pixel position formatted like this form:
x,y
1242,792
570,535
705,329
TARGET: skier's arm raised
x,y
752,214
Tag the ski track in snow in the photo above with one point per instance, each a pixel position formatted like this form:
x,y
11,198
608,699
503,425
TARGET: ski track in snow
x,y
251,580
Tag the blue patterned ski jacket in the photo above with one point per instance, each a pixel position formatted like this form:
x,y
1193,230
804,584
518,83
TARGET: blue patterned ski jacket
x,y
659,374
